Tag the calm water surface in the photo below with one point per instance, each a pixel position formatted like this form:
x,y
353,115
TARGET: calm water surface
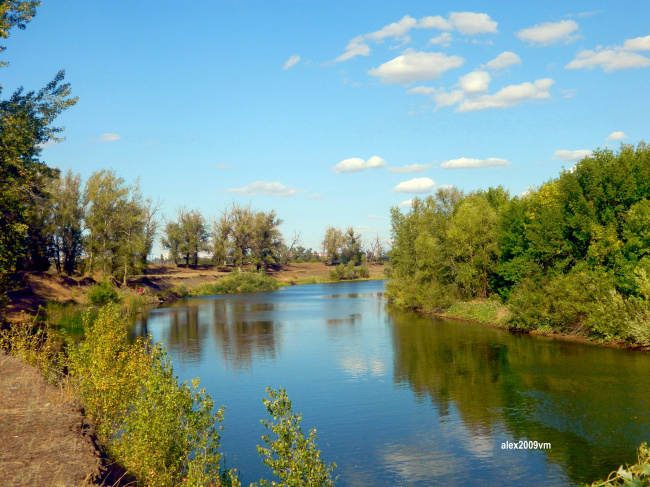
x,y
401,399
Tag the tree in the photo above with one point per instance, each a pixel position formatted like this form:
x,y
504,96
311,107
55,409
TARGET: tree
x,y
15,13
333,241
351,249
187,236
67,220
266,240
377,251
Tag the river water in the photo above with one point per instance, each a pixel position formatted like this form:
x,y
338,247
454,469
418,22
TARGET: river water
x,y
402,399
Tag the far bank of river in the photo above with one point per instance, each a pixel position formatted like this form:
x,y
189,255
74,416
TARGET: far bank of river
x,y
401,398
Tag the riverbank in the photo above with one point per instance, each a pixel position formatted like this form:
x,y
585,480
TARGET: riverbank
x,y
494,314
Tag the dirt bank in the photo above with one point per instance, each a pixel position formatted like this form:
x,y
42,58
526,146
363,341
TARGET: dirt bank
x,y
44,438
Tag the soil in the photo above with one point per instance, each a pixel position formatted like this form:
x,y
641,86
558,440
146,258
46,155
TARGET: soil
x,y
45,440
44,437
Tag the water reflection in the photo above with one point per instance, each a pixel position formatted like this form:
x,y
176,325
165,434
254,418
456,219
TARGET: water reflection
x,y
401,399
588,402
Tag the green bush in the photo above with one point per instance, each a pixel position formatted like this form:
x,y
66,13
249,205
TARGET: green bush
x,y
103,293
484,311
349,271
238,282
162,432
294,459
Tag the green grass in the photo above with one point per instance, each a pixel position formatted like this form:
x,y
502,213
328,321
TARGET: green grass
x,y
485,311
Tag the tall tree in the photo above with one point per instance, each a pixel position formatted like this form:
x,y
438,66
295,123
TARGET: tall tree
x,y
67,220
333,242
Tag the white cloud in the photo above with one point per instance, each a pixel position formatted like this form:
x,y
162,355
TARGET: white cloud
x,y
571,155
49,143
267,189
356,47
109,137
616,136
502,61
316,196
435,22
637,44
416,66
223,166
608,59
470,23
416,185
465,162
406,204
421,90
410,168
467,23
446,99
475,82
375,217
357,164
396,29
292,61
509,96
550,33
443,39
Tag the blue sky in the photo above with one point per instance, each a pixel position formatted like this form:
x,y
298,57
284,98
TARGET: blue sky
x,y
332,112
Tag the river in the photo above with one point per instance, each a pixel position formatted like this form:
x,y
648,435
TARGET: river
x,y
402,399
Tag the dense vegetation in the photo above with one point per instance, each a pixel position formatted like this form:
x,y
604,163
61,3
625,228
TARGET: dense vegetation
x,y
571,256
160,431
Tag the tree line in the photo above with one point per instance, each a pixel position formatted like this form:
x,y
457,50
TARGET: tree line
x,y
572,255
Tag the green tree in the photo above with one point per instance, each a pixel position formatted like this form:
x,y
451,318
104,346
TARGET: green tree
x,y
15,13
187,236
333,241
67,222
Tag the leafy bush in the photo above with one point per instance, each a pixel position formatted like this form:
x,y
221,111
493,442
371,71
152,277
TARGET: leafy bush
x,y
637,475
238,282
483,311
161,431
349,271
292,457
103,293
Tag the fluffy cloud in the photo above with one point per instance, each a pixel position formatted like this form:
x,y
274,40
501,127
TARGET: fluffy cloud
x,y
616,136
467,23
446,99
107,138
502,61
396,29
416,66
356,47
416,185
465,162
571,155
550,33
470,23
293,60
406,204
475,82
509,96
608,59
357,164
410,168
637,44
267,189
443,39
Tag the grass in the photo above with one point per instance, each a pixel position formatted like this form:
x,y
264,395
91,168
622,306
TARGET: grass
x,y
238,282
483,311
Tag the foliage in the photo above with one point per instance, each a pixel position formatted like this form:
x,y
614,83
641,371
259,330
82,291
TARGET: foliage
x,y
161,431
294,459
15,13
349,271
186,237
567,256
102,293
637,475
239,282
483,311
67,215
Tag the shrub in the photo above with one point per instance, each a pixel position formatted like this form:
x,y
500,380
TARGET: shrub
x,y
238,282
292,457
103,293
161,431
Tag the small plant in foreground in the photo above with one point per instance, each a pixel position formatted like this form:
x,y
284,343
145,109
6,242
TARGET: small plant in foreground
x,y
637,475
294,459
